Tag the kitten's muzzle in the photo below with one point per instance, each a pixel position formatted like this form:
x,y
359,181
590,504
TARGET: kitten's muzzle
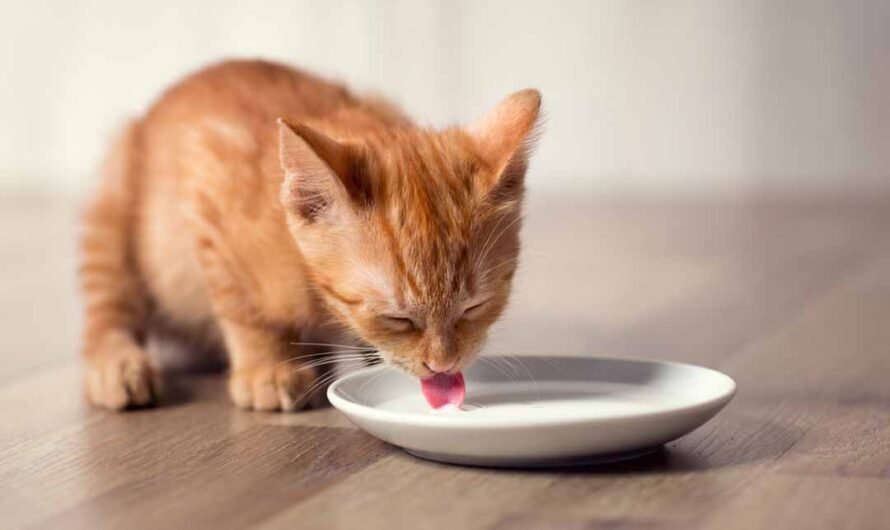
x,y
438,366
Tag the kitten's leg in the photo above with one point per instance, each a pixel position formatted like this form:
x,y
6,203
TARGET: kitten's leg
x,y
119,373
265,373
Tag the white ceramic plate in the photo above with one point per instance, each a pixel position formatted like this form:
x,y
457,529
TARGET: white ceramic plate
x,y
538,411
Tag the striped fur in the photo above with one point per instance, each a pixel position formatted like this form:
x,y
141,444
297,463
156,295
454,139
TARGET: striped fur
x,y
255,205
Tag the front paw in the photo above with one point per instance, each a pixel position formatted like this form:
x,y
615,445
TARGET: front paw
x,y
285,387
121,377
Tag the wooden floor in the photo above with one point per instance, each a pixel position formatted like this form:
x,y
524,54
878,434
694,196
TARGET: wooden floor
x,y
789,297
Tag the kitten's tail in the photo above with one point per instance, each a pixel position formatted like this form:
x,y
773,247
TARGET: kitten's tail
x,y
112,289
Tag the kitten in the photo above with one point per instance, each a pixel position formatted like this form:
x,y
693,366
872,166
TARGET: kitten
x,y
254,202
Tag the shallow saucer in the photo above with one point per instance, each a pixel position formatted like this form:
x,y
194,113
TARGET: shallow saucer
x,y
538,410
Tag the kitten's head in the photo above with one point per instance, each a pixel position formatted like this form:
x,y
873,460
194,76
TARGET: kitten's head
x,y
411,235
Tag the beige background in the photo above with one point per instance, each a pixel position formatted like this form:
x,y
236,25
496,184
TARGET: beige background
x,y
684,96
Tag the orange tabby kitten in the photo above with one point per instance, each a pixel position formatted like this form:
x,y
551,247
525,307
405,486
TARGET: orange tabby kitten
x,y
253,203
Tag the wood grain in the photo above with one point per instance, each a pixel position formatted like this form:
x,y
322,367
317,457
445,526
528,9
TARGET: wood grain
x,y
791,297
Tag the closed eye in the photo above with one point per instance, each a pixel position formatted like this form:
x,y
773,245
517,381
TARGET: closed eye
x,y
474,310
398,323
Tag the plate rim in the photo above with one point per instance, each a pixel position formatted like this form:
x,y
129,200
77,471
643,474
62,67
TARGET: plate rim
x,y
352,408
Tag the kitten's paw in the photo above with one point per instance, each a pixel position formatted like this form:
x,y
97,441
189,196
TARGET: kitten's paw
x,y
285,387
121,377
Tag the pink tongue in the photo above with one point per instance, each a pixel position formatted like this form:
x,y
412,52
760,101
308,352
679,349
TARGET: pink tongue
x,y
443,389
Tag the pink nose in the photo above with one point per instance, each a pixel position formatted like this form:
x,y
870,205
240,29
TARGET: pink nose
x,y
438,366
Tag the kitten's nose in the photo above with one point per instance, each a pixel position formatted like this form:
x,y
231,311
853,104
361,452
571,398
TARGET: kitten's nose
x,y
439,366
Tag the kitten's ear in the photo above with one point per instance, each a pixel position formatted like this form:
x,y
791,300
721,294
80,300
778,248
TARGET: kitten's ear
x,y
505,138
319,171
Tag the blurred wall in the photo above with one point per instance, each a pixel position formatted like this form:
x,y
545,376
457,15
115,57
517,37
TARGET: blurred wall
x,y
648,96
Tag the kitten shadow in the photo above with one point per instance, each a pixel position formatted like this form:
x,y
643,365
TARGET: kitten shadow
x,y
176,390
185,363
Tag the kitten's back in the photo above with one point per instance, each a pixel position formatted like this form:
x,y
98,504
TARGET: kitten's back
x,y
209,171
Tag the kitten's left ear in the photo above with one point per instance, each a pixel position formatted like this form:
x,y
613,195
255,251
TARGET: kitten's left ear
x,y
505,138
320,174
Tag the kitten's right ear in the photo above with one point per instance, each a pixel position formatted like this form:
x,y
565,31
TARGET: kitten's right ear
x,y
505,138
319,171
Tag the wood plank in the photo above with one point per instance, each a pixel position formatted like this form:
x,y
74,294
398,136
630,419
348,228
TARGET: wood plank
x,y
836,349
694,475
818,503
228,483
401,491
61,457
847,440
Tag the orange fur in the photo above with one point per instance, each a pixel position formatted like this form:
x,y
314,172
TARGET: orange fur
x,y
342,220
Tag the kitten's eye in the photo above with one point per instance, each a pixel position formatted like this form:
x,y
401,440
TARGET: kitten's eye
x,y
474,310
398,323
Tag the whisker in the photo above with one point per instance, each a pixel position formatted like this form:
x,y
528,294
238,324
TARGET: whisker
x,y
485,245
323,381
493,363
556,364
379,379
376,376
488,241
336,356
549,359
350,346
339,355
531,376
336,352
320,383
510,261
509,363
487,248
319,362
